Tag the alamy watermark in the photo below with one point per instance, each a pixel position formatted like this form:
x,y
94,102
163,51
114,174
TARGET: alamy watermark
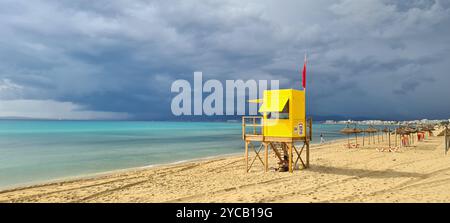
x,y
212,98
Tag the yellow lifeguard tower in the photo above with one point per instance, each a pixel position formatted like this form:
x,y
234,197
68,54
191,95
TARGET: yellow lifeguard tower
x,y
282,124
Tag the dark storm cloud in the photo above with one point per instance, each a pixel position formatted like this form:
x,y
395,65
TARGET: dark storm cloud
x,y
411,85
119,58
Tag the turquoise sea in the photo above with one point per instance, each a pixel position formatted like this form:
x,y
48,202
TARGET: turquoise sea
x,y
38,151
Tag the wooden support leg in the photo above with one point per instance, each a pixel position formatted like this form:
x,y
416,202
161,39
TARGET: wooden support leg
x,y
307,153
246,156
364,136
389,135
395,139
446,141
266,157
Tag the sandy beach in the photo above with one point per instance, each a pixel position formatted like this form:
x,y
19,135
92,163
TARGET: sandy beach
x,y
420,173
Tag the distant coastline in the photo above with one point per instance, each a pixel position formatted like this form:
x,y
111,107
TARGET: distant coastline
x,y
381,122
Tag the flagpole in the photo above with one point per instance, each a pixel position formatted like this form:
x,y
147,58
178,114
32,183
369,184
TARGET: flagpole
x,y
304,84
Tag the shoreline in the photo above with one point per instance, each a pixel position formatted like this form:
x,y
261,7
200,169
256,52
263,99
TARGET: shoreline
x,y
69,179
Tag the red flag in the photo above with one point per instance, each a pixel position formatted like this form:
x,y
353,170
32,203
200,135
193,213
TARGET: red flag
x,y
304,74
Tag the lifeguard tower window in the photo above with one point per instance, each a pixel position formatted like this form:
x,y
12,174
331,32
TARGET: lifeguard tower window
x,y
284,114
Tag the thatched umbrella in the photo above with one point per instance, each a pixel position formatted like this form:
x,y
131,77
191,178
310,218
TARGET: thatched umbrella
x,y
371,130
410,132
347,131
407,131
399,132
442,133
430,130
422,130
357,131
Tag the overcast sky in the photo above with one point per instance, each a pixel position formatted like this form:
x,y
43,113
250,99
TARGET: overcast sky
x,y
117,59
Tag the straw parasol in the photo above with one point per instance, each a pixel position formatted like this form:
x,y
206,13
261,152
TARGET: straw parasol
x,y
442,133
430,130
348,131
407,131
410,131
357,131
404,131
371,130
385,131
400,131
422,130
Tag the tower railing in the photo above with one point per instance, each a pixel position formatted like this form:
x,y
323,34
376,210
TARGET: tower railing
x,y
256,124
